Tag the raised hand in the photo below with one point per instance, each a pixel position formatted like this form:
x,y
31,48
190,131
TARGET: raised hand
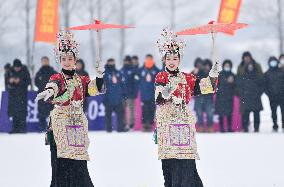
x,y
166,91
214,72
100,70
45,95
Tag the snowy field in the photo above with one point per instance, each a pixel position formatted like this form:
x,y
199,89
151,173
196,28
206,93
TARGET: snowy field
x,y
130,160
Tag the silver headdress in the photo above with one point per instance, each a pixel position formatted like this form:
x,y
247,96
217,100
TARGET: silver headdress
x,y
65,45
170,43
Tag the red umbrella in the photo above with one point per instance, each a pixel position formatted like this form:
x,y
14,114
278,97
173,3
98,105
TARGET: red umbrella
x,y
97,26
213,28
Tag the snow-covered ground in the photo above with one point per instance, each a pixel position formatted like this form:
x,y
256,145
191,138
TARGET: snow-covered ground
x,y
130,160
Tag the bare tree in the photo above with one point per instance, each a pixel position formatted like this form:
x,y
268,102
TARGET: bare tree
x,y
67,8
269,13
170,10
25,16
122,31
29,5
173,14
280,26
28,36
124,8
97,10
4,16
93,6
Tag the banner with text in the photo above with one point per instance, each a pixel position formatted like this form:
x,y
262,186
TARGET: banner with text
x,y
46,25
229,11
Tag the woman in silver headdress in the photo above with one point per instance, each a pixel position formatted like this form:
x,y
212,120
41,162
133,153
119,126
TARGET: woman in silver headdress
x,y
175,123
67,133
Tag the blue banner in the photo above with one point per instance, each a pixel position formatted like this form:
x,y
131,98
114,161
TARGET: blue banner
x,y
95,113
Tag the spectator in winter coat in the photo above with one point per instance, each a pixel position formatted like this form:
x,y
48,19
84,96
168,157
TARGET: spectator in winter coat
x,y
128,72
248,59
80,68
114,96
250,87
204,103
225,95
147,89
135,61
274,88
19,81
197,66
281,61
135,64
41,79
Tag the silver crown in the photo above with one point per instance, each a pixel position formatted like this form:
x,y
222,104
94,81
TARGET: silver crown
x,y
66,45
170,43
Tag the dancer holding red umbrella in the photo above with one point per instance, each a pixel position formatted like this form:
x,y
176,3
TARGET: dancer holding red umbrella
x,y
68,126
67,133
175,123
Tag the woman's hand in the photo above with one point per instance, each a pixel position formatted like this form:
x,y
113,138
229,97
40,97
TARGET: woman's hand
x,y
166,91
214,72
100,70
45,95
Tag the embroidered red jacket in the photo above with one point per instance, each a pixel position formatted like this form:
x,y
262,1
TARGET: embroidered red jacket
x,y
77,95
187,85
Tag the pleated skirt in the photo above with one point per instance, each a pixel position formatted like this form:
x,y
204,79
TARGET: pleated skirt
x,y
180,173
68,172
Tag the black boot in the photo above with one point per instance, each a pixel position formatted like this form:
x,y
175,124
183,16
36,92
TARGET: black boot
x,y
275,127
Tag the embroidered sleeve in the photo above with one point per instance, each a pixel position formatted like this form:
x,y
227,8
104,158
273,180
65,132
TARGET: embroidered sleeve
x,y
160,81
199,86
94,87
191,82
206,86
54,83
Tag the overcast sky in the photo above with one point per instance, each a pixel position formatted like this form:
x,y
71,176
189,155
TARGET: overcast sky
x,y
149,17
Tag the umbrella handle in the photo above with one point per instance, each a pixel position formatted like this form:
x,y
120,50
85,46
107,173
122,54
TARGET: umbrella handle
x,y
97,48
213,35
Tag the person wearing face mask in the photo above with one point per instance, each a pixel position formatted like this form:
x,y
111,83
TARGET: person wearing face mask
x,y
147,76
246,60
175,132
274,89
67,133
114,96
225,95
250,88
